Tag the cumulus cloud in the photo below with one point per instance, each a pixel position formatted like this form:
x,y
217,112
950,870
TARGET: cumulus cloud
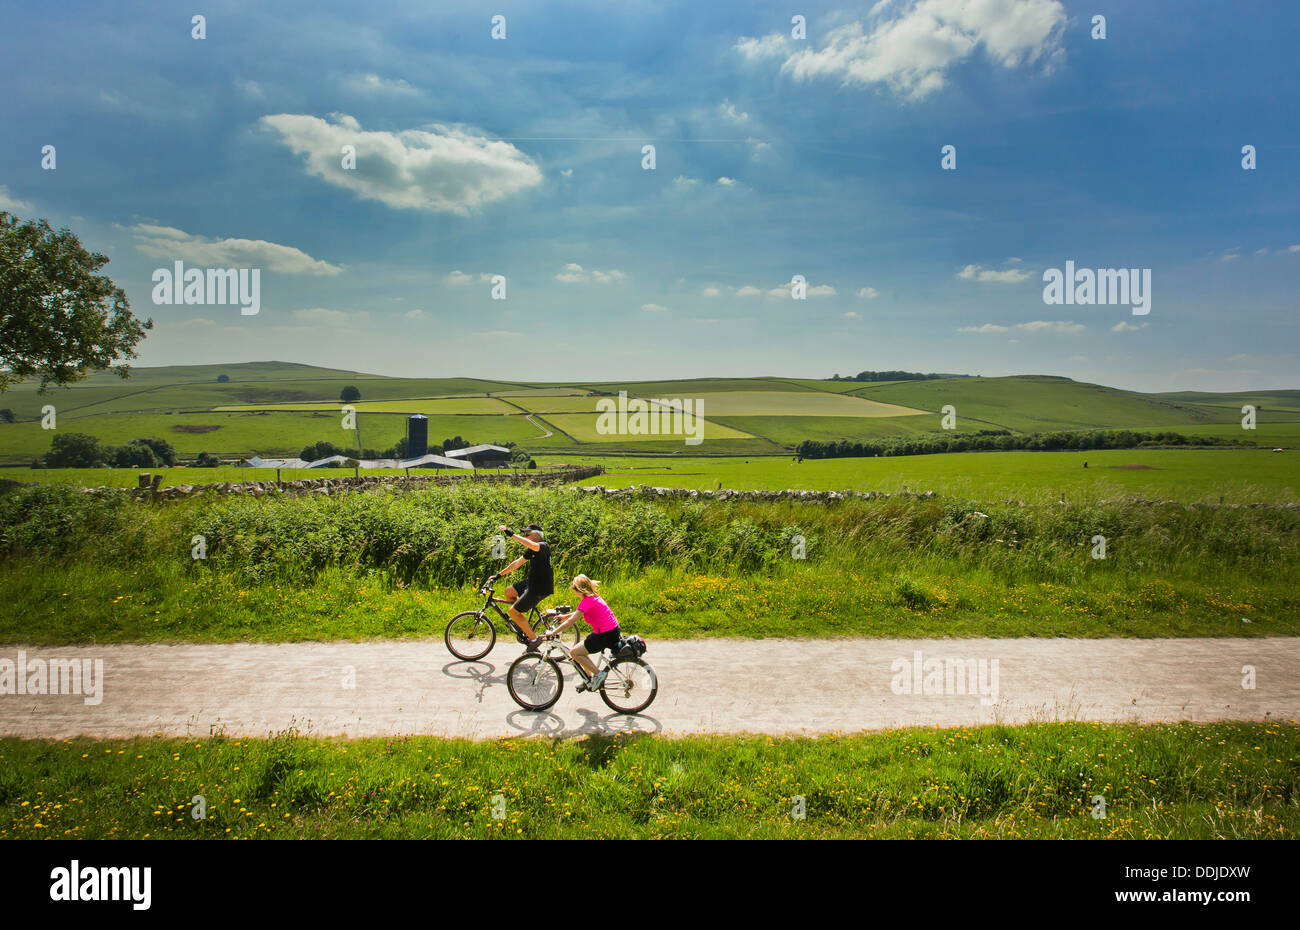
x,y
726,182
442,169
1006,276
654,308
459,278
166,242
729,111
373,83
711,292
1051,326
910,46
1036,326
12,204
868,293
573,273
1125,327
748,291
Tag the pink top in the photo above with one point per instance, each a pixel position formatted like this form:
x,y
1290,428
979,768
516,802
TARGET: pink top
x,y
598,615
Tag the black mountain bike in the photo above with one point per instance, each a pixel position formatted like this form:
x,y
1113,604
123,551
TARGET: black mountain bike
x,y
470,635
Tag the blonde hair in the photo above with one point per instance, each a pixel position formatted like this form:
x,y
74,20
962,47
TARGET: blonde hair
x,y
586,586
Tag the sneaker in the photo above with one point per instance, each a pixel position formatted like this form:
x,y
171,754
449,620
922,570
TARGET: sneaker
x,y
598,680
531,644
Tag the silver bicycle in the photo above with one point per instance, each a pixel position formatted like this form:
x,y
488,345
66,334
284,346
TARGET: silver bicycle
x,y
536,681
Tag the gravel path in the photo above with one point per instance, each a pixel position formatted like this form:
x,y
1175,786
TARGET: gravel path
x,y
705,686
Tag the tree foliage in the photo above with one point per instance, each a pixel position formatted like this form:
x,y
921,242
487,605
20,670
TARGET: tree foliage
x,y
59,318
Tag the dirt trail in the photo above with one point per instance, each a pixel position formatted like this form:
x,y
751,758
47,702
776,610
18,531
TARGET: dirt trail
x,y
715,686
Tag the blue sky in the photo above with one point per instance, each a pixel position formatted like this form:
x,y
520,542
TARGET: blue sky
x,y
775,156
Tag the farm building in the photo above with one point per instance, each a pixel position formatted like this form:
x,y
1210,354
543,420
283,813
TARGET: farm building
x,y
482,456
423,461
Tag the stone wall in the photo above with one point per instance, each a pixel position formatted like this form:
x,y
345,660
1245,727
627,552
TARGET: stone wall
x,y
344,483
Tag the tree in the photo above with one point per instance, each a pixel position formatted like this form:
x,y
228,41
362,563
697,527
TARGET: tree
x,y
223,379
74,450
350,394
6,415
162,449
206,460
59,319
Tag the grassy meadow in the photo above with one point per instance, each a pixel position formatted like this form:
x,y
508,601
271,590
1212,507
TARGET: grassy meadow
x,y
74,568
1178,781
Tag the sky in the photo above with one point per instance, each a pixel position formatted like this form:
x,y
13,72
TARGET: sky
x,y
779,151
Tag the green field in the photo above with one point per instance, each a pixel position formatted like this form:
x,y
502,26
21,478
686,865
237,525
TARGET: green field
x,y
1185,475
1179,781
745,415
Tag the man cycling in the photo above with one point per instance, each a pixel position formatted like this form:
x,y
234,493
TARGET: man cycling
x,y
539,583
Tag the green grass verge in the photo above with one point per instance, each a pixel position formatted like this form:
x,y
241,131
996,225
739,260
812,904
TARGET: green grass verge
x,y
1184,781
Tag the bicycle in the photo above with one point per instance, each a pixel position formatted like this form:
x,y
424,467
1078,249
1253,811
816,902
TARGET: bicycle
x,y
471,634
536,682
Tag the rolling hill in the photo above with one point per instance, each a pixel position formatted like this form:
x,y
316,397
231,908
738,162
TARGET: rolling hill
x,y
274,408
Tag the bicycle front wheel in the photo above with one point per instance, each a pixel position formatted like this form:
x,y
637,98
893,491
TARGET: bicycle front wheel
x,y
630,687
470,635
534,681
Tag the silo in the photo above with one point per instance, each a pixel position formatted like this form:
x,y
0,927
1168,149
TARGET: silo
x,y
417,436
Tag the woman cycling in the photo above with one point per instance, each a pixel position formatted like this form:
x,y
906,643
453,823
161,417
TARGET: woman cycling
x,y
604,628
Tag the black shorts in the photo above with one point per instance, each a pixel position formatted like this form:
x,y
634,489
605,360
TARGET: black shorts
x,y
595,643
527,599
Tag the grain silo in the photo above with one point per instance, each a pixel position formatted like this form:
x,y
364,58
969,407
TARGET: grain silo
x,y
417,436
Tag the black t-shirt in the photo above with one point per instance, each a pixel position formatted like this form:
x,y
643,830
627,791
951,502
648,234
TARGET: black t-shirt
x,y
541,580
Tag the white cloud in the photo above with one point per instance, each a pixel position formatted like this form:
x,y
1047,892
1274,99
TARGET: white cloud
x,y
910,46
682,182
459,278
373,83
442,169
868,293
566,173
1037,326
12,204
320,316
851,315
1293,248
1125,327
1007,276
573,273
654,308
165,242
1051,326
711,292
821,290
727,182
728,110
748,291
414,315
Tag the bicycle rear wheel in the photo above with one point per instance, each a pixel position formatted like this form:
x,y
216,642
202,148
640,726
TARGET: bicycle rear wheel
x,y
534,681
470,635
630,687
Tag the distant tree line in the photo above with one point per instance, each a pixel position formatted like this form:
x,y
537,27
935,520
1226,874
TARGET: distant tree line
x,y
991,440
79,450
894,376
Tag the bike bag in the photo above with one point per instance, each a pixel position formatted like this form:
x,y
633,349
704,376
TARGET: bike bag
x,y
630,647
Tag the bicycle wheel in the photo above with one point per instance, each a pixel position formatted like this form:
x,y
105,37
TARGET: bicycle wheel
x,y
534,681
470,635
630,687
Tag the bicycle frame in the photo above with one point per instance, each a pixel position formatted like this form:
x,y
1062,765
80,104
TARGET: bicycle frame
x,y
534,617
566,654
